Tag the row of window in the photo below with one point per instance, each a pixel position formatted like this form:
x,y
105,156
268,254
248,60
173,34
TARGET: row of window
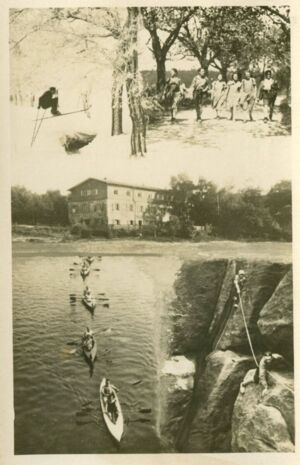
x,y
130,223
87,192
87,207
129,207
149,196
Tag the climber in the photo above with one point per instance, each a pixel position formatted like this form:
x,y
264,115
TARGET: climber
x,y
239,281
260,375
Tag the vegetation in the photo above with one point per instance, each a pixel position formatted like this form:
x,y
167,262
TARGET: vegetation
x,y
201,211
30,208
198,211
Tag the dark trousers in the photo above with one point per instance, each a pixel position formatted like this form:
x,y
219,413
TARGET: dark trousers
x,y
50,103
198,100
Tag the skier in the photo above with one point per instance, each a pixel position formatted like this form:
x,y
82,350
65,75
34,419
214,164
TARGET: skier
x,y
49,99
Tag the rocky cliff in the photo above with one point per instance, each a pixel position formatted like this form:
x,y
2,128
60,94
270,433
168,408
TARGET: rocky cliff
x,y
209,327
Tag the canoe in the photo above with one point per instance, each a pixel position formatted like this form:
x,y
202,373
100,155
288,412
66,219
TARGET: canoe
x,y
115,429
89,303
90,354
85,272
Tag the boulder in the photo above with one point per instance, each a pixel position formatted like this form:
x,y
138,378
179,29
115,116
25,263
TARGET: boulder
x,y
265,423
214,397
262,279
276,318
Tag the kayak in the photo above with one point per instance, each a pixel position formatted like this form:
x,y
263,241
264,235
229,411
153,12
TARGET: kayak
x,y
89,303
90,354
85,272
115,429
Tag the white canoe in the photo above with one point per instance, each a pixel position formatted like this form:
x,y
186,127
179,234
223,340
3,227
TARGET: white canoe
x,y
115,429
89,302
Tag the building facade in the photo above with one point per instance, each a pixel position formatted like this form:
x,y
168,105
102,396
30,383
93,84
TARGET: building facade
x,y
119,205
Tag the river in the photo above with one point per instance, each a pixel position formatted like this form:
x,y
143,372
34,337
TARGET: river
x,y
56,395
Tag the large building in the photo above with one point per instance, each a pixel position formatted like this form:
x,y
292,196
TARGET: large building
x,y
116,204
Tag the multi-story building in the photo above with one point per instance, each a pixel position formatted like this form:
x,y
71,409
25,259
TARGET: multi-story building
x,y
116,204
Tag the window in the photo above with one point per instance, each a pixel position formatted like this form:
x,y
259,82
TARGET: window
x,y
117,206
73,210
139,194
149,196
128,193
88,192
142,208
131,208
82,193
131,222
95,191
117,221
116,192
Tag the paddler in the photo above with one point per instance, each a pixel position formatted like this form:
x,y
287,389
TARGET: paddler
x,y
87,292
109,396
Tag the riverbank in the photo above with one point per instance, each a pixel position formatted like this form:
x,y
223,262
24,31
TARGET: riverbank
x,y
279,251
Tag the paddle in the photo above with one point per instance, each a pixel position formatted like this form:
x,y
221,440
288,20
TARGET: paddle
x,y
145,410
135,383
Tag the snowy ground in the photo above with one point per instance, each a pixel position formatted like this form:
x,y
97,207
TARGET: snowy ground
x,y
228,153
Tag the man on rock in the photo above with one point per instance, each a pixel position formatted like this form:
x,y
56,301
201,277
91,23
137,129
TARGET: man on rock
x,y
261,373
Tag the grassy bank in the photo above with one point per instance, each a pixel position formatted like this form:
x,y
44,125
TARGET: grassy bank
x,y
279,251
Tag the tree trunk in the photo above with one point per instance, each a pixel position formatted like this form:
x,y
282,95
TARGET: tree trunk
x,y
160,72
138,119
116,107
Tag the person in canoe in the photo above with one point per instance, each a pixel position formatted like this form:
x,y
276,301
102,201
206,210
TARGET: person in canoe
x,y
49,99
109,398
87,292
88,333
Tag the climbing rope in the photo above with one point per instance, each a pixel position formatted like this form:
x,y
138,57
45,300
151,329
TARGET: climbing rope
x,y
245,322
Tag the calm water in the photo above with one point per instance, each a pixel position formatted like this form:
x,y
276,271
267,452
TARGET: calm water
x,y
56,394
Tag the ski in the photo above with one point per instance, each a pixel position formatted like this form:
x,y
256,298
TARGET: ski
x,y
64,114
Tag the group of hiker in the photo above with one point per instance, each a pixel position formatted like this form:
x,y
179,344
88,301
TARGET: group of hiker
x,y
231,95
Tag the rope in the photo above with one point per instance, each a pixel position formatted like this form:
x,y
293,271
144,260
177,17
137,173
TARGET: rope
x,y
245,323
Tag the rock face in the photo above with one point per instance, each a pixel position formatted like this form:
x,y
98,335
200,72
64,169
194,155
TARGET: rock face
x,y
265,424
276,318
215,395
209,328
197,287
262,279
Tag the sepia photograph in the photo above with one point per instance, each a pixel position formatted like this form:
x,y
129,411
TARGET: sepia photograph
x,y
151,229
